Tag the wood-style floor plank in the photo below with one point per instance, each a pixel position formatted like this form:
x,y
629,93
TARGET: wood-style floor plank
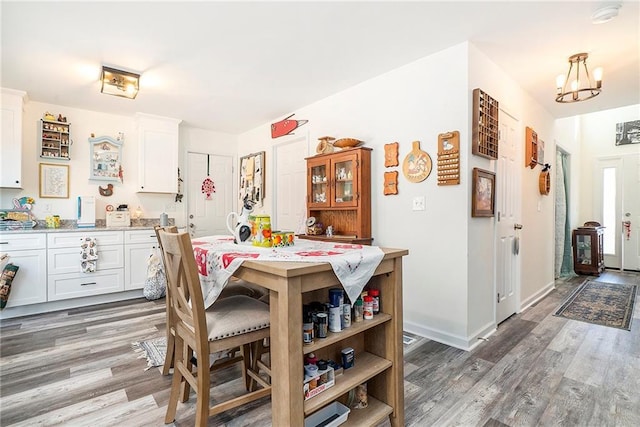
x,y
78,368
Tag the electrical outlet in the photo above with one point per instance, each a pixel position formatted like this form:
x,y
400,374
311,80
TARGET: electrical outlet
x,y
170,207
46,207
419,203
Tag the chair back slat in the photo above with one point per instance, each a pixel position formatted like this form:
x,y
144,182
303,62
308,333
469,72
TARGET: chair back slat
x,y
186,293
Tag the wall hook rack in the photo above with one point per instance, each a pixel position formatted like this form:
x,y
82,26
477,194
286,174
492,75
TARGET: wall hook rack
x,y
545,166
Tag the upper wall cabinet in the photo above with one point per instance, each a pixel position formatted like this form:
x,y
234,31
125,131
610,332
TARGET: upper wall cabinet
x,y
106,159
11,138
157,154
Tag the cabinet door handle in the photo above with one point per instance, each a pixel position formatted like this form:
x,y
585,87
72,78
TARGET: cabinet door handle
x,y
4,243
87,284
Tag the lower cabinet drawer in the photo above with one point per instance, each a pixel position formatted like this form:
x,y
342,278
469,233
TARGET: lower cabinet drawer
x,y
69,260
75,285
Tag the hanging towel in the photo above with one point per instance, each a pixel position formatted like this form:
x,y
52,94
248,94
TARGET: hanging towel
x,y
88,254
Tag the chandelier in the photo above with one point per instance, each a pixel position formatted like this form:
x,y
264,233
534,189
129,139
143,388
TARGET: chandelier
x,y
577,84
119,83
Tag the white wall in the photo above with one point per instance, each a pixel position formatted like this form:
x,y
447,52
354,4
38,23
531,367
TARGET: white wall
x,y
414,102
448,275
536,211
83,124
597,137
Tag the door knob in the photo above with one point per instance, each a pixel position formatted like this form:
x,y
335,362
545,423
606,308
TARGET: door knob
x,y
191,216
191,225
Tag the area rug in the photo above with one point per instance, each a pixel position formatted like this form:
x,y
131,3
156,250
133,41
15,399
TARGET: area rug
x,y
154,350
600,303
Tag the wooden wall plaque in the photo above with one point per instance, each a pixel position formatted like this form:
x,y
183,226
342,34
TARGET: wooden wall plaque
x,y
391,155
449,158
390,183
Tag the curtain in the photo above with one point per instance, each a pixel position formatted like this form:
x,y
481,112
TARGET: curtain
x,y
563,261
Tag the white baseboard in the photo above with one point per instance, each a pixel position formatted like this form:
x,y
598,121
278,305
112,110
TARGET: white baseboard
x,y
537,296
46,307
457,341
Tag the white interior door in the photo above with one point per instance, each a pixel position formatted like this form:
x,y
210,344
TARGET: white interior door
x,y
290,180
508,212
208,217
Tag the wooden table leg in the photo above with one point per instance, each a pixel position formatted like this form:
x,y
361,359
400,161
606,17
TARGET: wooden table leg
x,y
287,402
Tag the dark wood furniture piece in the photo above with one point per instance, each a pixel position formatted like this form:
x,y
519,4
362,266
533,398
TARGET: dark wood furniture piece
x,y
485,125
339,194
588,255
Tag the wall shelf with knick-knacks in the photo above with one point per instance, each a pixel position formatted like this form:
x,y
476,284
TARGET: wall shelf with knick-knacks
x,y
55,139
106,158
485,125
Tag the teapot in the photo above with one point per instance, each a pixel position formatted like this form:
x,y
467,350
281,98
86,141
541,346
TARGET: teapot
x,y
240,228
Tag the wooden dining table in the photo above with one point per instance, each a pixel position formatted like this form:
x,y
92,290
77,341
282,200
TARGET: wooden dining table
x,y
377,343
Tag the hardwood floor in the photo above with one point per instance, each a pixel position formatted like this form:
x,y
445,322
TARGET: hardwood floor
x,y
78,368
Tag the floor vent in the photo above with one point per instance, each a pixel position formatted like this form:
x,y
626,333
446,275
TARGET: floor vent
x,y
407,340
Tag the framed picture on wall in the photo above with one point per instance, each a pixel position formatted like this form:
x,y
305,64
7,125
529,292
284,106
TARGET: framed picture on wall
x,y
628,133
54,181
483,194
252,177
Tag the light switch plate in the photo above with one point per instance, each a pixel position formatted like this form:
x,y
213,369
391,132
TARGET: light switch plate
x,y
419,203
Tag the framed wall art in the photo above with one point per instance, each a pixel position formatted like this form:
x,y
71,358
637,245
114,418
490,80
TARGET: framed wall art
x,y
54,181
252,177
483,194
628,133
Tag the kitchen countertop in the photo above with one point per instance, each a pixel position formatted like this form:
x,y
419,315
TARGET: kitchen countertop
x,y
71,226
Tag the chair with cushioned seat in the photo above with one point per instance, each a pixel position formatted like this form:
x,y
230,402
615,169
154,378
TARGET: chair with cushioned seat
x,y
234,287
236,321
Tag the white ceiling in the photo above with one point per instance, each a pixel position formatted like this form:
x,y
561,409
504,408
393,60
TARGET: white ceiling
x,y
233,66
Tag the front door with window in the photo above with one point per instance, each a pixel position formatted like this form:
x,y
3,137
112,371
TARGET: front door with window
x,y
617,207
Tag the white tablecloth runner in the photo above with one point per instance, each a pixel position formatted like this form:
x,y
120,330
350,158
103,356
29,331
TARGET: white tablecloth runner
x,y
218,258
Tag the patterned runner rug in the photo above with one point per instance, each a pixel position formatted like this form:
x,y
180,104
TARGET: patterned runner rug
x,y
154,350
600,303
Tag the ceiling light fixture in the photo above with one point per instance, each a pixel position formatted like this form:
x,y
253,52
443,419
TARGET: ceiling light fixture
x,y
605,13
119,83
577,85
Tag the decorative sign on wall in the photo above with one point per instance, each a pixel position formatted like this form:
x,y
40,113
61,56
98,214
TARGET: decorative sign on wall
x,y
417,164
391,155
390,183
252,177
106,158
285,126
449,158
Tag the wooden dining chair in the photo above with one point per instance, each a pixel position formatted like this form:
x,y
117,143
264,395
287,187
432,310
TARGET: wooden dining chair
x,y
234,287
237,321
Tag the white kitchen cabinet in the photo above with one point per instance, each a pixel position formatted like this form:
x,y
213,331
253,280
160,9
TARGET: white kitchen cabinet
x,y
157,154
64,258
28,252
137,248
11,138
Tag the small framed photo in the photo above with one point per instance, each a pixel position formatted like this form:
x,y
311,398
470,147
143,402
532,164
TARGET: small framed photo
x,y
54,181
483,195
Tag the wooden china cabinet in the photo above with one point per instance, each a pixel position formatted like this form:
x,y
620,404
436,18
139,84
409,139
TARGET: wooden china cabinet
x,y
339,195
588,254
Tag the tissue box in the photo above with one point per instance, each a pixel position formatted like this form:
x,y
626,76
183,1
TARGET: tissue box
x,y
318,383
